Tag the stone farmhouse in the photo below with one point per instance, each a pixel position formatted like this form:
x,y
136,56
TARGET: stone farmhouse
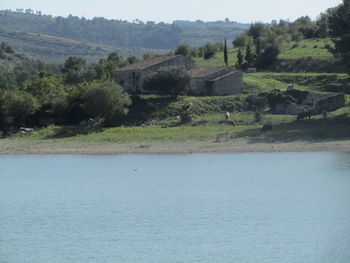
x,y
204,81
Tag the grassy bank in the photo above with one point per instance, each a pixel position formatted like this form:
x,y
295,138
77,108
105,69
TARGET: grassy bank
x,y
203,128
162,125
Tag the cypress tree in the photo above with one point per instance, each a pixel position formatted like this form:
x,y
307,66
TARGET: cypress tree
x,y
225,53
257,48
239,59
249,58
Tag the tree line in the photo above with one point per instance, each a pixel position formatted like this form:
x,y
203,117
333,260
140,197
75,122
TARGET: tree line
x,y
115,32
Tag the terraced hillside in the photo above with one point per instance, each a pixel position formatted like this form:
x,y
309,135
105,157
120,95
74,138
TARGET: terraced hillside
x,y
310,55
56,49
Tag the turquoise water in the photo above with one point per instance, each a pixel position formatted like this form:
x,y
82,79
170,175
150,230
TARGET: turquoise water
x,y
273,208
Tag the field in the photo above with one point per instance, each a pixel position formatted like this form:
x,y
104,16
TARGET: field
x,y
303,56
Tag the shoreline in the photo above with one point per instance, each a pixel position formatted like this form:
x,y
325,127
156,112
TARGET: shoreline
x,y
186,147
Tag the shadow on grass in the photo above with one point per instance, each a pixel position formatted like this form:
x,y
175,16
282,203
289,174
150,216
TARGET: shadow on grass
x,y
334,128
62,132
144,109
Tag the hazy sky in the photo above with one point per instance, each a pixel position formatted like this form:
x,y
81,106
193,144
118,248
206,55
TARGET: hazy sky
x,y
164,10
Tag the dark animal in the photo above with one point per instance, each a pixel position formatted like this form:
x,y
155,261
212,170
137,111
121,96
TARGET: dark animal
x,y
303,115
266,127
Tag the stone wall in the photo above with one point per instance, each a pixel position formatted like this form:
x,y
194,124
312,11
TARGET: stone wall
x,y
199,85
314,103
131,81
228,84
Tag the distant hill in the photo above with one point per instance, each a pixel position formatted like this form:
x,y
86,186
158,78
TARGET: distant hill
x,y
118,33
57,49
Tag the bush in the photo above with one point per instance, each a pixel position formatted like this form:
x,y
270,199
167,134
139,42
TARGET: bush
x,y
16,106
183,50
209,51
168,81
106,100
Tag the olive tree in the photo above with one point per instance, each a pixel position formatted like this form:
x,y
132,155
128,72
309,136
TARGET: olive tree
x,y
16,106
168,81
106,100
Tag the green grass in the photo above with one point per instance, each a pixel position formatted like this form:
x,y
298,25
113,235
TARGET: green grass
x,y
218,59
285,128
310,49
314,48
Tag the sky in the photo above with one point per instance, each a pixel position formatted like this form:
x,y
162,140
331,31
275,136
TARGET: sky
x,y
244,11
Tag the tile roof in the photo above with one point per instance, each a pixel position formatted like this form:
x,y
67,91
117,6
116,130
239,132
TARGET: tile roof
x,y
146,63
202,72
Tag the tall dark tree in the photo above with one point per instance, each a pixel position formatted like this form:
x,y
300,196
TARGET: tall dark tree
x,y
256,30
240,59
249,57
74,69
257,47
225,53
339,23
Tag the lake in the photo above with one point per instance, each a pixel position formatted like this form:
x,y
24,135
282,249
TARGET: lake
x,y
253,207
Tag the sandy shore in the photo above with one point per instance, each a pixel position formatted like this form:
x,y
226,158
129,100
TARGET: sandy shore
x,y
10,147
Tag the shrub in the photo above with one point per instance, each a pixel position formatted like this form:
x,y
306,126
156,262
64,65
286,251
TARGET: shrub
x,y
209,51
106,100
183,50
168,81
16,106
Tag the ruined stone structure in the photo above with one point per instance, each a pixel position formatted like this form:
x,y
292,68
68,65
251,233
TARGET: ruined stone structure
x,y
304,101
216,81
204,81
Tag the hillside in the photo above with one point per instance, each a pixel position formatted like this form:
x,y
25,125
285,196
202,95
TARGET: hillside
x,y
309,55
15,68
122,33
57,49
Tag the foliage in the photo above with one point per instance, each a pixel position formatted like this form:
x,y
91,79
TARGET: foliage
x,y
17,68
106,100
339,23
169,81
249,57
240,59
209,51
225,53
242,40
116,58
183,50
132,60
16,106
74,69
44,88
